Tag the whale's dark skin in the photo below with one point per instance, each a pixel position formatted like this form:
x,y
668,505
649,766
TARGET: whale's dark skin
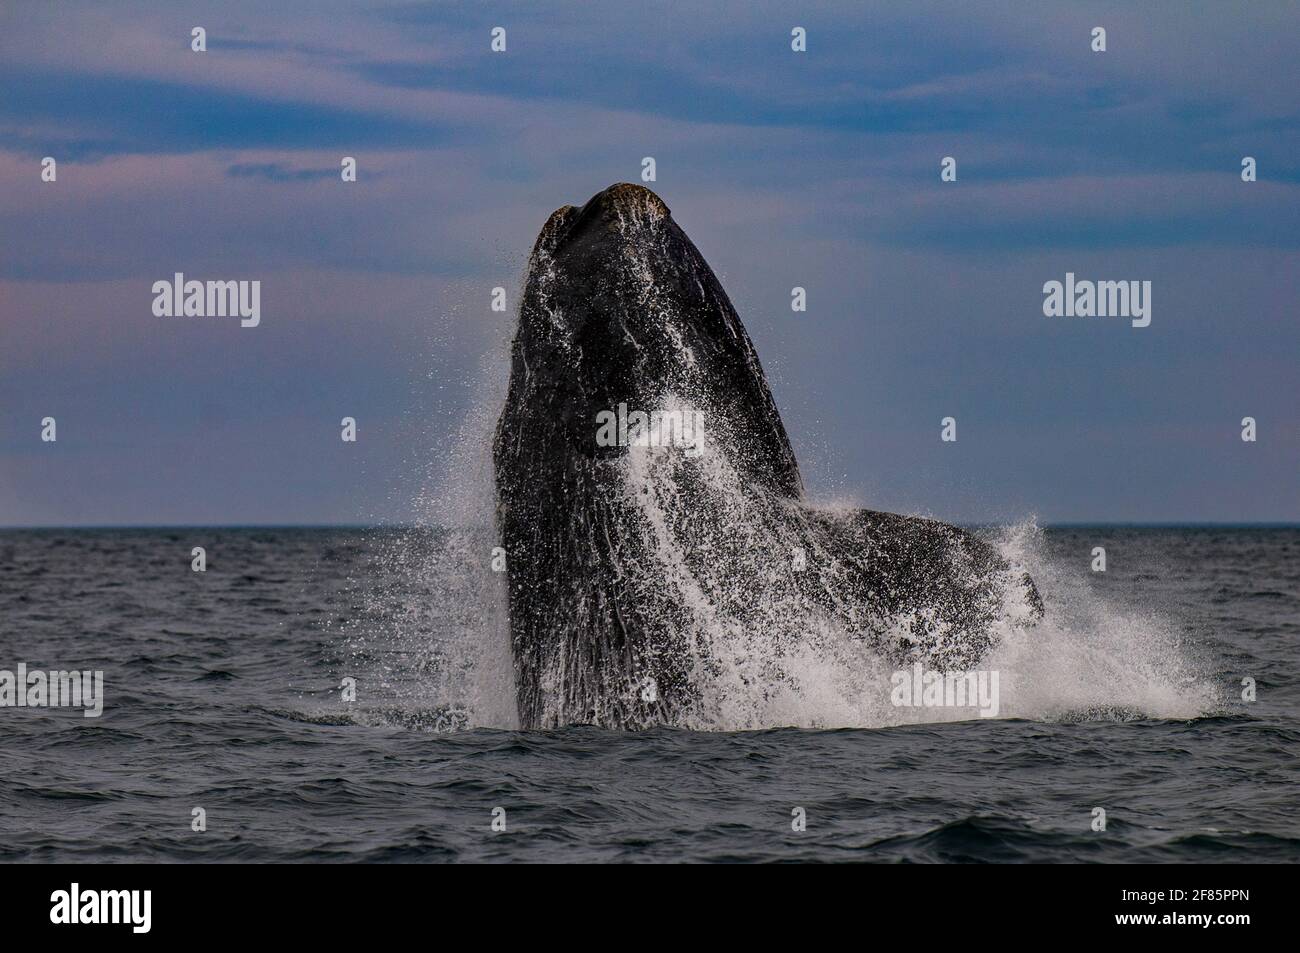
x,y
610,612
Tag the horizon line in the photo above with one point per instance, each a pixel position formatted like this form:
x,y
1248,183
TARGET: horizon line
x,y
1063,524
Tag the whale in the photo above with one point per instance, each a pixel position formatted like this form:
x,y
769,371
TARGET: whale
x,y
663,564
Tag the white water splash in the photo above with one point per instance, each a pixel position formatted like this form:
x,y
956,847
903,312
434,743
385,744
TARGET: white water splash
x,y
766,657
1093,658
780,662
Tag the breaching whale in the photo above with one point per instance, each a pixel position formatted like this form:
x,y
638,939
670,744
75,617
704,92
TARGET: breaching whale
x,y
655,578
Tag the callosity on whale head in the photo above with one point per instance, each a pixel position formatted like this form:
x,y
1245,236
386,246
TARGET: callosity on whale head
x,y
661,560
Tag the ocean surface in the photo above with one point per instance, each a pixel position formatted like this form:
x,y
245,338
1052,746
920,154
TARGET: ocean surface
x,y
225,691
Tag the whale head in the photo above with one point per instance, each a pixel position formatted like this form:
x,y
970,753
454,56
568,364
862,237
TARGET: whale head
x,y
620,308
657,576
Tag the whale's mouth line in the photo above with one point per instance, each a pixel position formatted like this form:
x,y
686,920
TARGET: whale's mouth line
x,y
648,585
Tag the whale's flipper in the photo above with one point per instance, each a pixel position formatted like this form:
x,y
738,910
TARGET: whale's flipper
x,y
936,591
656,571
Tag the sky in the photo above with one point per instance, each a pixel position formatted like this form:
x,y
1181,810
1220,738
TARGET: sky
x,y
817,169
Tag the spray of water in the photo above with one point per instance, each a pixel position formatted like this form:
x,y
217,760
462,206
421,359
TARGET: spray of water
x,y
1092,658
762,655
431,638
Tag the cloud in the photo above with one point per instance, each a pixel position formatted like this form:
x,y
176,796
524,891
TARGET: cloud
x,y
818,169
278,172
88,116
